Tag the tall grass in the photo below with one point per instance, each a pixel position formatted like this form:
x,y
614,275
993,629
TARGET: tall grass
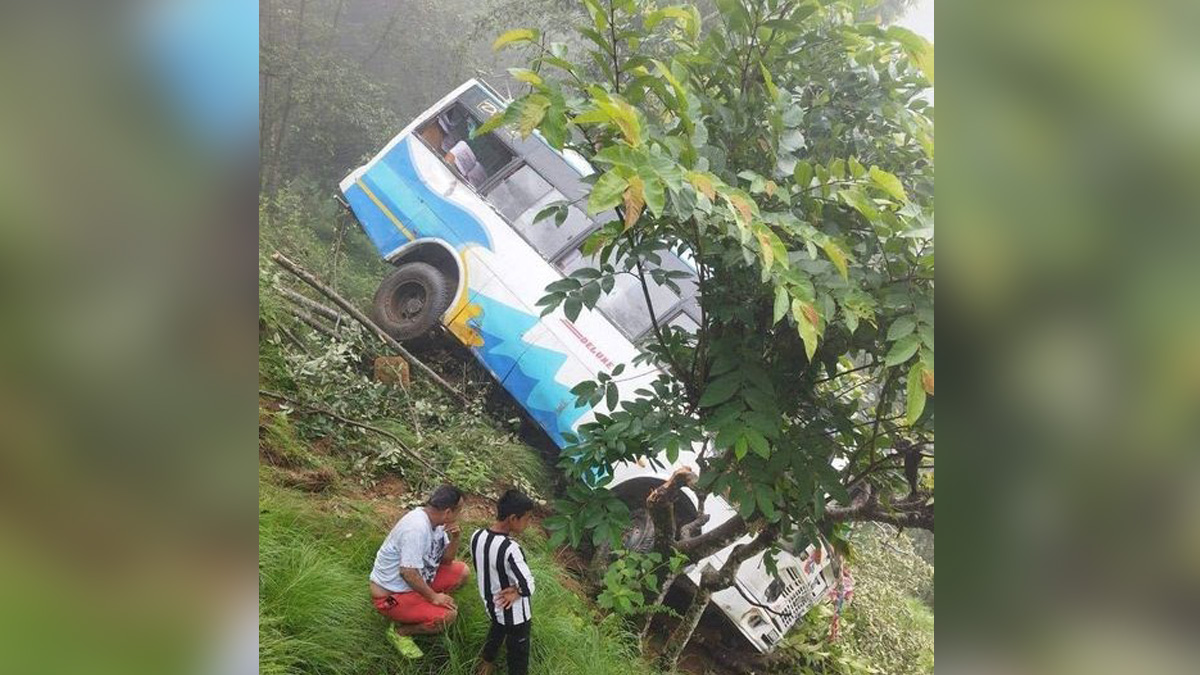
x,y
315,616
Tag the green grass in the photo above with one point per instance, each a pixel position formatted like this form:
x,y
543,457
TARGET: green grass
x,y
315,616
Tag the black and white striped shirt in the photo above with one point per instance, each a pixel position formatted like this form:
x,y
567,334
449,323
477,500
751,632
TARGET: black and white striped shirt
x,y
500,564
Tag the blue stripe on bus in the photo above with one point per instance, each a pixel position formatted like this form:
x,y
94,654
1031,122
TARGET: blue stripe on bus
x,y
379,228
398,186
531,377
459,226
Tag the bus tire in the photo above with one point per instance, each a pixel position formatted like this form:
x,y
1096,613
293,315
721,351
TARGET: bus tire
x,y
410,301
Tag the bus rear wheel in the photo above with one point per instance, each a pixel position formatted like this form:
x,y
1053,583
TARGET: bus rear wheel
x,y
410,301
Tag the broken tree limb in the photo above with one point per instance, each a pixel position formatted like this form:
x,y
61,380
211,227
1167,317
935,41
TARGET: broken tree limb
x,y
711,580
309,304
307,277
362,425
313,323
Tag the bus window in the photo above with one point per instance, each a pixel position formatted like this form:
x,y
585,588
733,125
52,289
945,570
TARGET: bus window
x,y
521,196
686,323
475,159
625,305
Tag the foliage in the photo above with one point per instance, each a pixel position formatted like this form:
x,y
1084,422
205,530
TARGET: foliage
x,y
582,511
789,152
885,627
631,576
335,376
305,223
891,627
815,654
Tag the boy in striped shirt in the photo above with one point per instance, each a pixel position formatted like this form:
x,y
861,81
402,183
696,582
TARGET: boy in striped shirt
x,y
505,583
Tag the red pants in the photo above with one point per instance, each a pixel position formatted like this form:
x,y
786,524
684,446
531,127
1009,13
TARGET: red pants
x,y
410,607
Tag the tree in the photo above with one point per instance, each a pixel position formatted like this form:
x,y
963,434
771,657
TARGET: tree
x,y
788,151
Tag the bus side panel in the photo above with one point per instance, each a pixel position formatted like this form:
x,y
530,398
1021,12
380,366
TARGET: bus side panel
x,y
396,203
534,371
376,222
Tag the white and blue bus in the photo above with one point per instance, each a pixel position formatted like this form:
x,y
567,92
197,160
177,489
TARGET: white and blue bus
x,y
455,215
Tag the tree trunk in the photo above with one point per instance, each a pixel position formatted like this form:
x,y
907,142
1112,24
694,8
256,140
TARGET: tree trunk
x,y
687,625
275,166
711,581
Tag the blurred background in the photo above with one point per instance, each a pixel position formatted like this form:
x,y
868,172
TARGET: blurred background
x,y
1070,313
128,211
129,179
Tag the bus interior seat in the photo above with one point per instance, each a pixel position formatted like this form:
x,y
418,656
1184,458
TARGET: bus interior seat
x,y
466,163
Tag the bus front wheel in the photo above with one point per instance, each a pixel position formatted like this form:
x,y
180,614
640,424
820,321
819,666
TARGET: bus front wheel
x,y
410,300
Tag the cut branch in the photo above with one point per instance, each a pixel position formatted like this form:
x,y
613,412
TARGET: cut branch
x,y
309,304
308,278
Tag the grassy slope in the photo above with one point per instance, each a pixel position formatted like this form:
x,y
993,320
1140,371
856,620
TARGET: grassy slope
x,y
314,556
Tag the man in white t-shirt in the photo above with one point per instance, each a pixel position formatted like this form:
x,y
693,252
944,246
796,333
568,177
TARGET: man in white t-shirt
x,y
415,570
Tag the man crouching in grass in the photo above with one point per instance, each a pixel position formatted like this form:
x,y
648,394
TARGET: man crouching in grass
x,y
415,570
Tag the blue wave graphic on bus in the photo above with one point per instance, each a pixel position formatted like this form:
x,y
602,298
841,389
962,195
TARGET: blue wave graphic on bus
x,y
526,371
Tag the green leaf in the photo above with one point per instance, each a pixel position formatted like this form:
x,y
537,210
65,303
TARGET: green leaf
x,y
781,304
888,183
838,257
746,506
572,307
766,501
926,333
532,110
611,397
688,17
903,350
916,392
591,117
802,174
859,201
513,36
901,327
741,447
494,122
720,390
792,141
803,313
793,116
607,193
655,196
547,212
525,75
856,168
758,443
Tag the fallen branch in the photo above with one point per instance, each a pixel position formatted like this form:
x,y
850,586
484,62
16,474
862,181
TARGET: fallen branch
x,y
313,323
362,425
309,304
308,278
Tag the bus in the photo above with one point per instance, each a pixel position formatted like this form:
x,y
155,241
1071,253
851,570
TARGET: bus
x,y
455,216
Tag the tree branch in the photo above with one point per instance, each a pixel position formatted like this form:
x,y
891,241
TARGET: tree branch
x,y
307,277
362,425
867,507
708,543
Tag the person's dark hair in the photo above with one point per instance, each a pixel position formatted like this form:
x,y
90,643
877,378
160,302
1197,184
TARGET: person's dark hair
x,y
444,497
513,503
